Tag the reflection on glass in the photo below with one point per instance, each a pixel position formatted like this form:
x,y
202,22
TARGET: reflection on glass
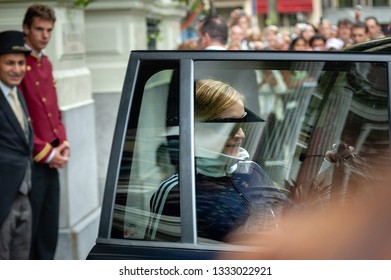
x,y
232,192
145,158
262,132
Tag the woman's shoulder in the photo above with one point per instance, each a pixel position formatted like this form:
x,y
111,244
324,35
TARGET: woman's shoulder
x,y
247,166
252,173
169,183
167,190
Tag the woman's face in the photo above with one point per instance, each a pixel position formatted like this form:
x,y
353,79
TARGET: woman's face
x,y
233,143
308,32
299,45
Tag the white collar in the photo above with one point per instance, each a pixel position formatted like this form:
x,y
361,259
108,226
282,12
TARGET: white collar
x,y
39,54
6,89
217,165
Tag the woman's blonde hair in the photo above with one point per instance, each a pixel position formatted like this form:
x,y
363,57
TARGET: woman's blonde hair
x,y
213,97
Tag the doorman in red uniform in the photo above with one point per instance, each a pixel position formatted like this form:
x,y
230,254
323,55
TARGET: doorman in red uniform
x,y
51,148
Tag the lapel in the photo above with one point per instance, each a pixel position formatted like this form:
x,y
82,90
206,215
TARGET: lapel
x,y
6,108
27,115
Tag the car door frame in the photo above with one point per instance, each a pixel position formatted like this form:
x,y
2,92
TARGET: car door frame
x,y
108,248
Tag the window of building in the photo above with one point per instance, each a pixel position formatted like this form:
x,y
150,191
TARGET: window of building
x,y
346,3
380,3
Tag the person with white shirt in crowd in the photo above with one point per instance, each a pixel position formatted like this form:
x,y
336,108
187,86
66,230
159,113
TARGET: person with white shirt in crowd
x,y
213,33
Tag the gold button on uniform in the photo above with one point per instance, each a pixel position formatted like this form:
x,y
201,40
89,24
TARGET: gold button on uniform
x,y
55,130
37,83
43,99
49,115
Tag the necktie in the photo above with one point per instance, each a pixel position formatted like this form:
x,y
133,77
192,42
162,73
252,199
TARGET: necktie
x,y
17,108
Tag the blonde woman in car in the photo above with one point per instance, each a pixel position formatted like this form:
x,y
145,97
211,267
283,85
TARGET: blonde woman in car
x,y
232,192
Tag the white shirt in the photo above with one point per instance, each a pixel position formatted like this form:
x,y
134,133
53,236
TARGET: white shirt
x,y
33,51
215,48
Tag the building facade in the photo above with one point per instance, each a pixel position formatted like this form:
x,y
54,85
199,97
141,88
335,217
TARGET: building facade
x,y
290,12
89,51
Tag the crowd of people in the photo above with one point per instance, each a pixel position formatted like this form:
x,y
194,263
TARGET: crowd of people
x,y
305,36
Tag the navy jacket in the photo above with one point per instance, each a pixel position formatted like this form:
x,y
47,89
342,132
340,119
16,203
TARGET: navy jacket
x,y
224,204
15,154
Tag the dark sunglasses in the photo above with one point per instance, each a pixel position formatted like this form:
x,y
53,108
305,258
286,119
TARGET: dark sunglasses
x,y
238,123
243,122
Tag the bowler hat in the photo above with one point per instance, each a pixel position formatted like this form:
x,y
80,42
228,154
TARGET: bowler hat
x,y
12,42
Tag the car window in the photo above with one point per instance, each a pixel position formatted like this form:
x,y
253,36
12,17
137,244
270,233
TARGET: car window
x,y
146,159
294,112
302,110
344,101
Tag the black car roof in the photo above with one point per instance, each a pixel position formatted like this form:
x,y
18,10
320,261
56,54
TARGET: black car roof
x,y
377,45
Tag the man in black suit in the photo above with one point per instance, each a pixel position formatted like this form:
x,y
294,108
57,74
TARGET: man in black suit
x,y
16,145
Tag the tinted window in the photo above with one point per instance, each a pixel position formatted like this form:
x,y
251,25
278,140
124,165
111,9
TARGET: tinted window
x,y
294,112
305,109
146,159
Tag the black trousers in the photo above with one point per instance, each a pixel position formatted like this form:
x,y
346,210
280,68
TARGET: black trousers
x,y
45,204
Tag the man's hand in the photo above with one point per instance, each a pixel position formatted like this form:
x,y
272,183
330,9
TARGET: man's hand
x,y
61,156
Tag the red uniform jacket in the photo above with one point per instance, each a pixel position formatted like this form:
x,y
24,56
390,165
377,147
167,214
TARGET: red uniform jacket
x,y
38,87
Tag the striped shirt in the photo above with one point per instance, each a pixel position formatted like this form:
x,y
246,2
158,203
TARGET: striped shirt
x,y
223,204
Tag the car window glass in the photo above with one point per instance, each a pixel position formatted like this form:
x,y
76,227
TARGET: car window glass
x,y
293,113
296,112
148,157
